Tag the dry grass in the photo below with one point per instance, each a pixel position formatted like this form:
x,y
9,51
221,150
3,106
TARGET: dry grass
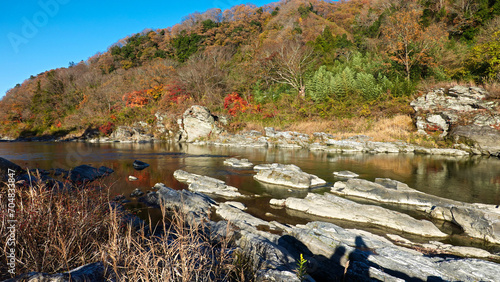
x,y
55,231
399,127
60,230
176,251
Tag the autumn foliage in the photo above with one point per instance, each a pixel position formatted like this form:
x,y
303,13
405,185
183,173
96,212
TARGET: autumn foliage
x,y
235,104
294,59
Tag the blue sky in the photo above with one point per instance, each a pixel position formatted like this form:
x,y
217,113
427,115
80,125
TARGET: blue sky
x,y
40,35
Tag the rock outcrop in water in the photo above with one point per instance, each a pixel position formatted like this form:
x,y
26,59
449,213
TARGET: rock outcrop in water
x,y
477,220
236,163
286,175
205,184
331,206
86,173
464,113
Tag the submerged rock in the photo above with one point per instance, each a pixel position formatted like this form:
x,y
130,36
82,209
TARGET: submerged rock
x,y
331,206
205,184
243,163
136,193
286,175
345,174
138,165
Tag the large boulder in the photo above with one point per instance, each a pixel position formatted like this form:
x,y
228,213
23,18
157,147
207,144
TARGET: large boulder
x,y
136,133
197,122
463,113
485,138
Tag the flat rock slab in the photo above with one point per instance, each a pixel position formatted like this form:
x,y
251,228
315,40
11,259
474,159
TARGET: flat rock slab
x,y
477,220
205,184
345,174
236,163
331,206
369,257
436,247
286,175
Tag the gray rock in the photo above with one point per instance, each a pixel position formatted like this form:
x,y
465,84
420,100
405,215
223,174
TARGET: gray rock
x,y
126,134
7,167
89,272
205,184
197,122
462,113
195,205
330,250
331,206
478,221
441,248
345,174
237,205
139,165
368,257
484,138
86,173
287,175
136,193
243,163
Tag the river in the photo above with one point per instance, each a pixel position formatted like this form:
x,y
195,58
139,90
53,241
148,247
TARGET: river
x,y
469,179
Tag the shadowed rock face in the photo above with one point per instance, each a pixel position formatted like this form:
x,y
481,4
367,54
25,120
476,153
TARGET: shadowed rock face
x,y
462,113
86,173
478,221
7,166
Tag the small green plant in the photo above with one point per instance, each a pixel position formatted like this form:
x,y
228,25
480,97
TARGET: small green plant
x,y
301,268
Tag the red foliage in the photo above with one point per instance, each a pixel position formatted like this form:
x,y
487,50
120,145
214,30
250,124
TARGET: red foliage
x,y
176,93
235,104
106,129
137,98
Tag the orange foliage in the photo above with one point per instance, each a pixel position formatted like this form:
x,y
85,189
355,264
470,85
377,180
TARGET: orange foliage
x,y
137,98
234,104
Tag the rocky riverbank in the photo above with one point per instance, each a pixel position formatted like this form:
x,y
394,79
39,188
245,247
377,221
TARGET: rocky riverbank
x,y
461,115
333,253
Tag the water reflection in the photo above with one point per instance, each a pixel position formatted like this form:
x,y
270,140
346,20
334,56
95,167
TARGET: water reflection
x,y
469,179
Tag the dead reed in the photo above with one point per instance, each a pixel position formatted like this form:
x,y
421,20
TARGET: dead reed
x,y
59,230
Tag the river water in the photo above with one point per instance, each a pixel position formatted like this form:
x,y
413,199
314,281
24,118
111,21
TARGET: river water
x,y
469,179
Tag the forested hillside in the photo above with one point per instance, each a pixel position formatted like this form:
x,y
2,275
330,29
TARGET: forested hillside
x,y
286,61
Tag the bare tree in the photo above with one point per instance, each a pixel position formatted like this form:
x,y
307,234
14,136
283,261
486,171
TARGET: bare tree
x,y
287,62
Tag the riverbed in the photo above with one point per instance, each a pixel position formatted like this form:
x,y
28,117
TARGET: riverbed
x,y
469,179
